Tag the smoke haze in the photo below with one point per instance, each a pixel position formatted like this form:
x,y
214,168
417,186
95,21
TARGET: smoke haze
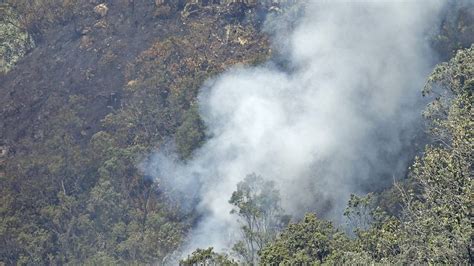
x,y
334,122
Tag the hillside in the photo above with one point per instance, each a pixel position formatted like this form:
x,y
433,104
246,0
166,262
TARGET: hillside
x,y
90,90
70,109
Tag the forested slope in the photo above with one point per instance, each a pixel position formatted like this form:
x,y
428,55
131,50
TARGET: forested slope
x,y
97,92
88,88
434,224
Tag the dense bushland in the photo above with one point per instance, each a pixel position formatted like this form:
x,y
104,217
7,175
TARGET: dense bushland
x,y
98,92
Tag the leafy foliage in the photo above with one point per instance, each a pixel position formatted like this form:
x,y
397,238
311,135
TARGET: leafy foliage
x,y
437,222
434,223
310,241
207,257
257,204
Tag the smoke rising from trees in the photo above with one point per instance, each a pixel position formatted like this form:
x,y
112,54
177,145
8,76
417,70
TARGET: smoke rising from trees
x,y
334,122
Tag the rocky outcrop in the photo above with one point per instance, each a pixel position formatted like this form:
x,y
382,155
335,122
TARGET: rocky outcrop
x,y
15,42
101,10
3,158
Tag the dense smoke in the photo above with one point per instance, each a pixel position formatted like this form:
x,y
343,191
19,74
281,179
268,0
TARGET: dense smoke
x,y
333,122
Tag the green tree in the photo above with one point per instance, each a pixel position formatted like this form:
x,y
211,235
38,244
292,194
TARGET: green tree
x,y
311,241
437,220
431,222
257,203
434,225
207,257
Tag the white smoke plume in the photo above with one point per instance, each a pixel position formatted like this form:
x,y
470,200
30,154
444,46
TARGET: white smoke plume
x,y
334,121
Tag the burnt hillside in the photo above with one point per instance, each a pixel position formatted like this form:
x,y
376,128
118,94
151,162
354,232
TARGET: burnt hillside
x,y
89,89
104,84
